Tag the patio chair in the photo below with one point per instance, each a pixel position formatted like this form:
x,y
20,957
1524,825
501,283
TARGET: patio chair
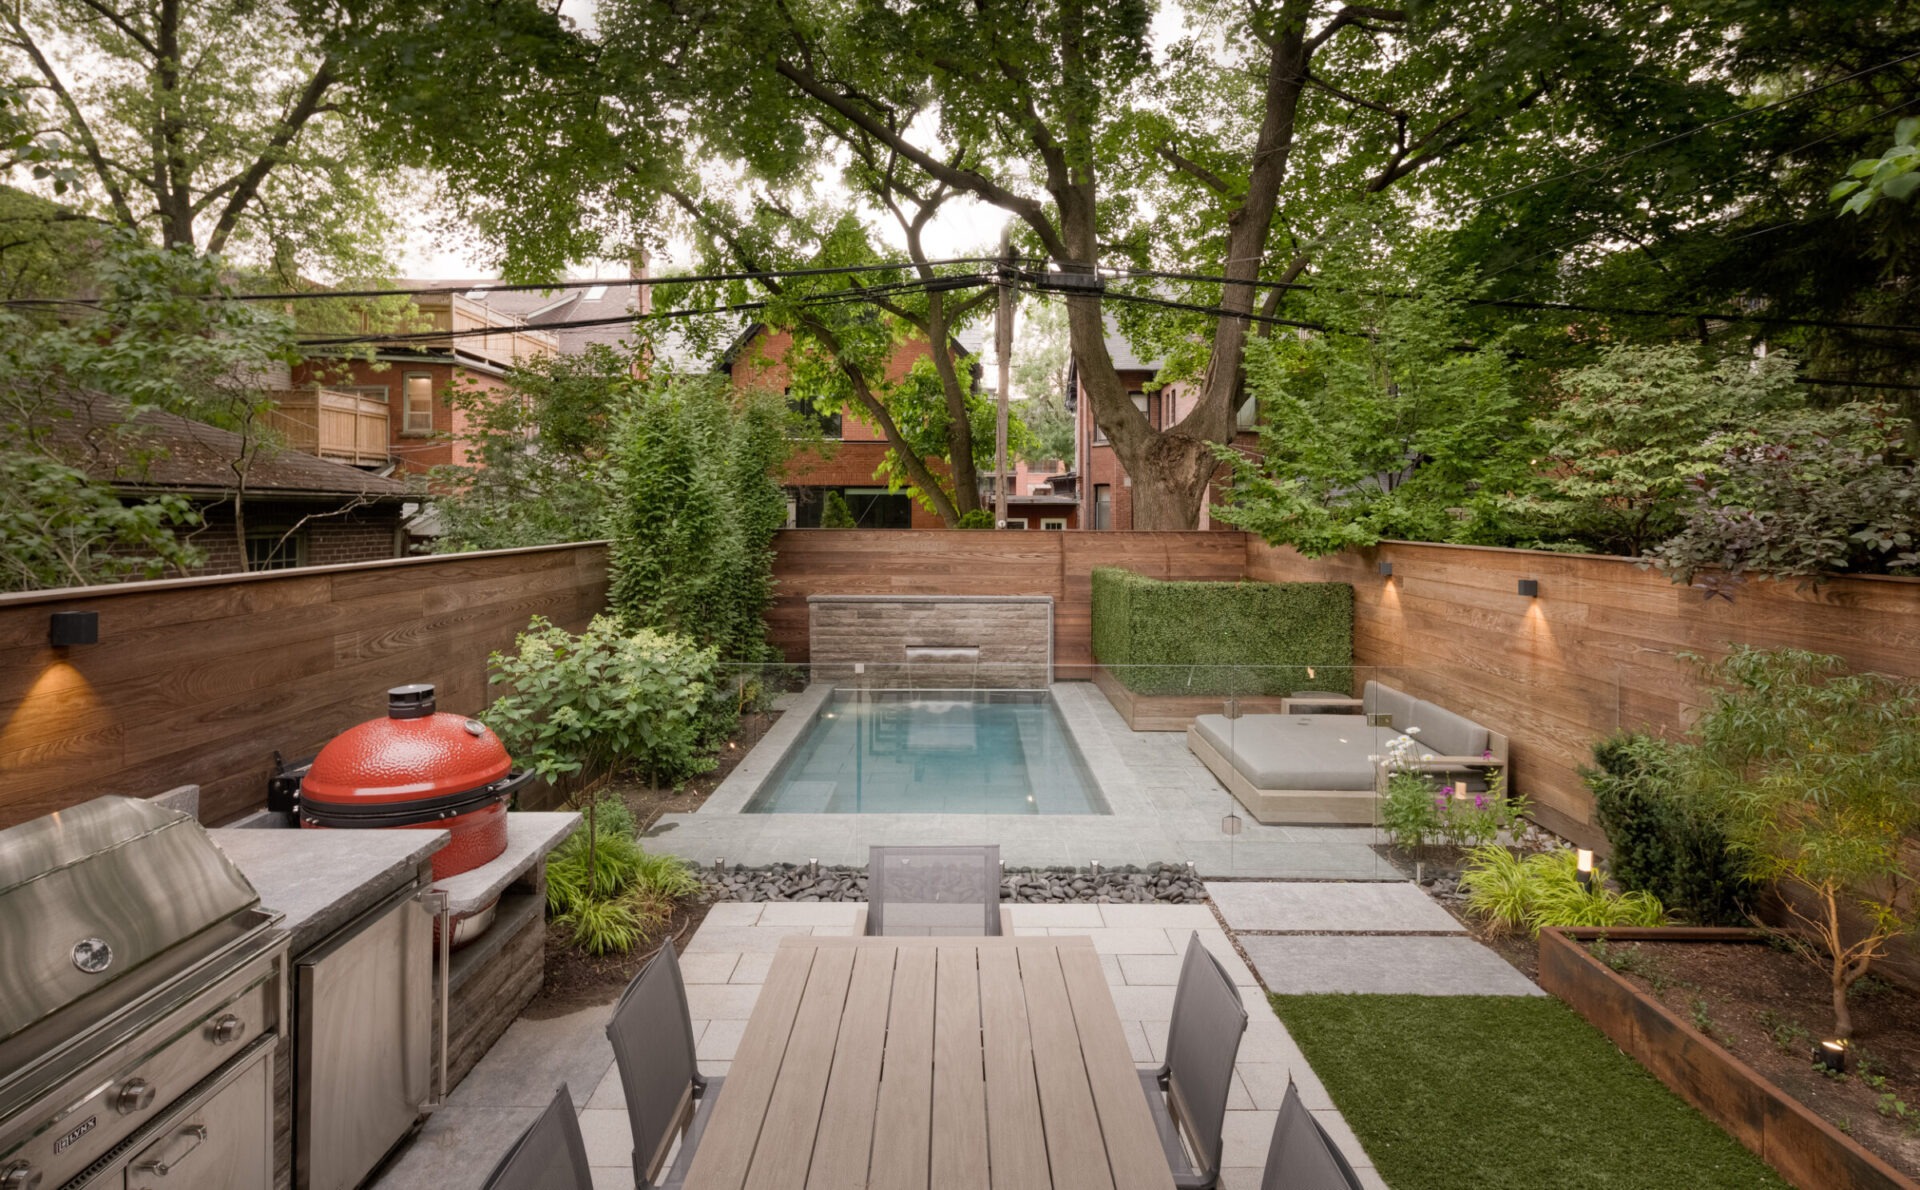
x,y
550,1155
1301,1155
933,890
1188,1093
667,1097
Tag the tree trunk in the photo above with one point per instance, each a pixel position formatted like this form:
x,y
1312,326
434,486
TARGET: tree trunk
x,y
966,483
1842,1019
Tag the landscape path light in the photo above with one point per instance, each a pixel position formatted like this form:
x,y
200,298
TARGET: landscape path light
x,y
1583,868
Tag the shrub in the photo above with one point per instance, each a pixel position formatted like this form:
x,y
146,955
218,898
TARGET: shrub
x,y
607,698
1543,891
1419,809
695,504
1813,771
834,513
1259,638
979,518
1665,841
609,893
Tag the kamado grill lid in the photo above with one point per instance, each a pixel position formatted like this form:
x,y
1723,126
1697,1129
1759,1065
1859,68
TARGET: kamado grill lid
x,y
415,765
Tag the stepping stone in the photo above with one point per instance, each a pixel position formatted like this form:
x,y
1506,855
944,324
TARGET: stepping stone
x,y
1420,966
1298,907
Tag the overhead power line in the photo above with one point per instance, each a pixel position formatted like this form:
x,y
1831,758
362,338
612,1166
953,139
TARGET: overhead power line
x,y
1570,307
856,294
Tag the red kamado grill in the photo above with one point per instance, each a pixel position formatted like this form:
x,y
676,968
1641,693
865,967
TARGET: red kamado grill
x,y
421,770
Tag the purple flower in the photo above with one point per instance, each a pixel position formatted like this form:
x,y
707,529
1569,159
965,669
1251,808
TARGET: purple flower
x,y
1479,802
1440,801
1487,755
1447,790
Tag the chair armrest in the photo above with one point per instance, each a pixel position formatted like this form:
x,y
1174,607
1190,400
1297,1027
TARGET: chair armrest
x,y
1459,762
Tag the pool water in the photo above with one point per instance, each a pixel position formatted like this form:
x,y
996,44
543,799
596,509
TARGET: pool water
x,y
963,753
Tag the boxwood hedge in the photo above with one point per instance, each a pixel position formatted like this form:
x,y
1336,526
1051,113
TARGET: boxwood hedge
x,y
1222,638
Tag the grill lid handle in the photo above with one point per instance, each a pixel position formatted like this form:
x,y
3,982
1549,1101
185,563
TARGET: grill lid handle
x,y
413,701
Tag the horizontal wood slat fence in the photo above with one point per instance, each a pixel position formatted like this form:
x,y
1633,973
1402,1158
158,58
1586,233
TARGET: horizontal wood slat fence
x,y
1600,648
976,562
199,680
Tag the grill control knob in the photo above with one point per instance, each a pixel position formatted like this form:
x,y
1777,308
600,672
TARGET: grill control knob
x,y
225,1028
136,1095
20,1176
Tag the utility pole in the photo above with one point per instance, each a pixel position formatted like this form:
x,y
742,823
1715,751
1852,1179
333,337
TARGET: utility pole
x,y
1003,348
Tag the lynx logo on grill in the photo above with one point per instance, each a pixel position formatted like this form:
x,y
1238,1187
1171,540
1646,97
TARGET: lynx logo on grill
x,y
86,1126
92,955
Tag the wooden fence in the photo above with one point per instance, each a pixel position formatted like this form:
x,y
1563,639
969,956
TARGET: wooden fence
x,y
972,562
1601,647
200,680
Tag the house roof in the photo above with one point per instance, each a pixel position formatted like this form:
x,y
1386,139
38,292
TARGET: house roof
x,y
165,452
547,309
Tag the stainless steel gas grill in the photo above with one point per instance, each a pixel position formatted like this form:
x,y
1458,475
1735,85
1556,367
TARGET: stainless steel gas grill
x,y
142,989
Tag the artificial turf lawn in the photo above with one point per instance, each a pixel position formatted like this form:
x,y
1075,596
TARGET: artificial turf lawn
x,y
1498,1092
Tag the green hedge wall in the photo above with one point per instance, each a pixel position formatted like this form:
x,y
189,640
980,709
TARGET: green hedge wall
x,y
1222,638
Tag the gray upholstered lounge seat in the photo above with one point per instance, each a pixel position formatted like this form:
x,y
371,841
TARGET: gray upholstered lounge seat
x,y
1295,751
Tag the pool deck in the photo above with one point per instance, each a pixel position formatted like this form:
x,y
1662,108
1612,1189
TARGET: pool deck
x,y
1166,808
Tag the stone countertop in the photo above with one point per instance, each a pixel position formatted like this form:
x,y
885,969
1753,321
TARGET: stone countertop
x,y
530,836
321,880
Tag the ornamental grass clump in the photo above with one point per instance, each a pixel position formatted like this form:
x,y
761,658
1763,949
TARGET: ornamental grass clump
x,y
1544,890
606,891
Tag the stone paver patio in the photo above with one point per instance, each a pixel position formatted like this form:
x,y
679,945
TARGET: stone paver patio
x,y
1297,907
724,965
1421,965
1166,808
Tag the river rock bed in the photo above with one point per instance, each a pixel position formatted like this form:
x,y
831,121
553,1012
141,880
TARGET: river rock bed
x,y
1171,883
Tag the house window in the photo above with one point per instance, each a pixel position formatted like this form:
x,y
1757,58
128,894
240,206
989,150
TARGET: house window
x,y
275,549
373,392
1247,416
872,508
810,415
1053,522
1019,524
1103,506
419,408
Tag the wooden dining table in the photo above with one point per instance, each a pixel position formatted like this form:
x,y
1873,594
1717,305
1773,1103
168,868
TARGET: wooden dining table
x,y
908,1063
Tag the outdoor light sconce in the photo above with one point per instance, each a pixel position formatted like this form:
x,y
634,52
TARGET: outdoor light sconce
x,y
1386,570
74,628
1583,868
1831,1055
1530,587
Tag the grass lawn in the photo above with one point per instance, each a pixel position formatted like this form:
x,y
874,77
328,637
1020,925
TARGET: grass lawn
x,y
1498,1092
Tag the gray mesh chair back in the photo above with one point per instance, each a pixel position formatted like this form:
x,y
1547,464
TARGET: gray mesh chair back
x,y
1302,1156
933,890
550,1154
1188,1093
652,1036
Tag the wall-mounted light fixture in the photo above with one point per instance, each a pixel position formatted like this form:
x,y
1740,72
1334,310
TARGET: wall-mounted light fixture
x,y
1583,867
1530,587
74,628
1386,570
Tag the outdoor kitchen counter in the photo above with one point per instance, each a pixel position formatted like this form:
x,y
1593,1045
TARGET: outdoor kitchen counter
x,y
322,880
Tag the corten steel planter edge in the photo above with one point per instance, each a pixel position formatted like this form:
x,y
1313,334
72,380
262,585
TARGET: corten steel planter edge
x,y
1801,1146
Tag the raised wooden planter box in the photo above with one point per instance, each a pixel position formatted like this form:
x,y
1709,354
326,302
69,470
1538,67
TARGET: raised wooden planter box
x,y
1173,712
1805,1149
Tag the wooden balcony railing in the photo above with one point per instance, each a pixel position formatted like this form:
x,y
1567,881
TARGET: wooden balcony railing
x,y
344,427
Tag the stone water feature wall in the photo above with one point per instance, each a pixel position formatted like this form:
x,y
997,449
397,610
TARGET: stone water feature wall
x,y
997,642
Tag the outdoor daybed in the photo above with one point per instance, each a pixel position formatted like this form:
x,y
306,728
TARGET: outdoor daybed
x,y
1325,768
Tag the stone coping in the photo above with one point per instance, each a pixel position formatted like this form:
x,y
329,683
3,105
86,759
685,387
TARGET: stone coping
x,y
320,879
530,836
733,793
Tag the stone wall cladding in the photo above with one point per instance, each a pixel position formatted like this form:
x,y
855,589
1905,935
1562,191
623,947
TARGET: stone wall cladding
x,y
1013,635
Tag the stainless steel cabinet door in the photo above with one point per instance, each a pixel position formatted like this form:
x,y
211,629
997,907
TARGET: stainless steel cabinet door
x,y
226,1143
364,1016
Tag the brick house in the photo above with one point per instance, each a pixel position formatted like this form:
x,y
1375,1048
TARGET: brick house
x,y
757,360
1106,490
300,510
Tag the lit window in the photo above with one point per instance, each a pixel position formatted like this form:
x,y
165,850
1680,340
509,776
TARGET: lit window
x,y
419,394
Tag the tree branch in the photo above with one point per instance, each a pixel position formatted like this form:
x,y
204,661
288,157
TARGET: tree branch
x,y
82,132
1187,165
247,185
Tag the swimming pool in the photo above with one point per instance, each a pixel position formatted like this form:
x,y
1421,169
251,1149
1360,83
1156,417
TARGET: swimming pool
x,y
960,752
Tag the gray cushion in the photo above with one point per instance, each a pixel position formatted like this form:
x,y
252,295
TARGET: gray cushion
x,y
1444,733
1295,751
1385,700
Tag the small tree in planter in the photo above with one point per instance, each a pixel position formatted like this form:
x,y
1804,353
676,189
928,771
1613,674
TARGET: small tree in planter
x,y
1815,770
